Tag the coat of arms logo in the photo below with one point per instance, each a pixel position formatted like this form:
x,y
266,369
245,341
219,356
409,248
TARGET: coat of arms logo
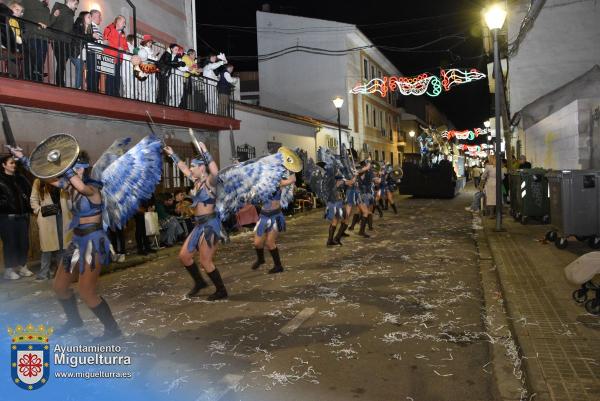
x,y
30,355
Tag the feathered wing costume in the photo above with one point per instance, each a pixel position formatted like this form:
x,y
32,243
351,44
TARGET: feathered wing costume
x,y
124,179
253,182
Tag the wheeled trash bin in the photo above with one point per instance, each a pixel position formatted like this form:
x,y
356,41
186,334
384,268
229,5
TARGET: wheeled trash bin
x,y
531,195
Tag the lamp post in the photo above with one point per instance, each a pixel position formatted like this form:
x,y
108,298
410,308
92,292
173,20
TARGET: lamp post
x,y
338,102
494,18
411,133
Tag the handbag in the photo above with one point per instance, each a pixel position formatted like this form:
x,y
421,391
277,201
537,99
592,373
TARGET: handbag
x,y
50,210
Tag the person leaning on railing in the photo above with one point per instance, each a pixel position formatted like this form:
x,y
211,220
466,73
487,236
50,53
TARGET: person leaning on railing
x,y
62,17
190,89
114,34
14,40
36,38
92,51
82,28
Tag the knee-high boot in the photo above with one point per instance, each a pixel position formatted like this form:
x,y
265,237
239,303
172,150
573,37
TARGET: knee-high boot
x,y
394,208
380,203
370,222
355,219
221,291
379,211
387,204
330,240
260,258
340,233
104,314
363,224
199,282
277,267
73,318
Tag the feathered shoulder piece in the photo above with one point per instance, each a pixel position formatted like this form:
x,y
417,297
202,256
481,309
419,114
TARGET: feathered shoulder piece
x,y
111,154
320,179
253,181
130,179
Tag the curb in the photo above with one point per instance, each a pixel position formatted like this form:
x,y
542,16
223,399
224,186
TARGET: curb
x,y
509,376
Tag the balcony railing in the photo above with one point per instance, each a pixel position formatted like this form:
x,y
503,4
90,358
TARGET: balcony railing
x,y
64,60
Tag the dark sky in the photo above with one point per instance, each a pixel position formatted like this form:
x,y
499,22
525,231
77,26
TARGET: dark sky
x,y
453,24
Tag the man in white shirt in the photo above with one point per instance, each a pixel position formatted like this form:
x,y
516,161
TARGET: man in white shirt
x,y
209,71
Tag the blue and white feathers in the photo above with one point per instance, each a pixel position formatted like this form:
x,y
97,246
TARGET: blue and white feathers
x,y
251,182
129,179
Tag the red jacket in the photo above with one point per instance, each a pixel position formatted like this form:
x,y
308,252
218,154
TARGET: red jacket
x,y
116,40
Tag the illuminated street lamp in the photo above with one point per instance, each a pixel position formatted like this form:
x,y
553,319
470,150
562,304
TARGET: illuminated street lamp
x,y
338,102
412,134
494,18
486,124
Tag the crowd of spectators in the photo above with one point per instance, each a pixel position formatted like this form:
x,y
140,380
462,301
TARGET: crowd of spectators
x,y
175,77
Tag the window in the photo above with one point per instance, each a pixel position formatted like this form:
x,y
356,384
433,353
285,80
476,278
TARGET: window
x,y
392,158
246,152
383,156
368,116
351,142
374,118
366,69
332,142
377,155
381,118
372,72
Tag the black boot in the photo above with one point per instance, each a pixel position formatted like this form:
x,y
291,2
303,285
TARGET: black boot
x,y
260,258
378,208
221,292
73,318
370,222
355,219
111,328
387,204
340,233
277,267
380,203
394,208
330,240
199,282
363,224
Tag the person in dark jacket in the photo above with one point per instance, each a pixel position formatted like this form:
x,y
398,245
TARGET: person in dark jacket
x,y
82,28
14,219
36,38
61,19
225,86
168,62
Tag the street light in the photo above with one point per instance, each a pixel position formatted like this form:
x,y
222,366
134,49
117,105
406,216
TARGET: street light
x,y
486,124
412,142
494,18
338,102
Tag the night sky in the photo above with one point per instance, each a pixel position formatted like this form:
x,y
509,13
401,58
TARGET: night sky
x,y
454,25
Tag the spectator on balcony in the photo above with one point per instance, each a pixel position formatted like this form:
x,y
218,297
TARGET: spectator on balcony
x,y
167,64
15,40
176,80
83,29
225,88
49,205
62,17
14,219
36,38
127,69
191,89
210,71
92,52
147,90
114,34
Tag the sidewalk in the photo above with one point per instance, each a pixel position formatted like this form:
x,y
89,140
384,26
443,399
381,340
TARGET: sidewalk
x,y
559,340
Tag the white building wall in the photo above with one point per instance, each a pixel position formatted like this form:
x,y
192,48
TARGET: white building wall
x,y
301,83
258,128
554,142
562,45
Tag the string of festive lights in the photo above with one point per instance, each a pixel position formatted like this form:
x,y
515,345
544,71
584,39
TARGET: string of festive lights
x,y
421,84
466,135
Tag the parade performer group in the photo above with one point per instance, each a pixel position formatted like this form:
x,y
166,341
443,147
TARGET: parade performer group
x,y
110,194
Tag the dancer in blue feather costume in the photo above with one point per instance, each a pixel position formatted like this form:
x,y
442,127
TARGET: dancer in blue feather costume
x,y
270,224
208,231
106,198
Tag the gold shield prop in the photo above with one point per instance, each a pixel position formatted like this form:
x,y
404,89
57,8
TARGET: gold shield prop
x,y
376,166
55,155
291,160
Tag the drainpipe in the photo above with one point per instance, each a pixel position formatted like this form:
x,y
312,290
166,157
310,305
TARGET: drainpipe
x,y
134,21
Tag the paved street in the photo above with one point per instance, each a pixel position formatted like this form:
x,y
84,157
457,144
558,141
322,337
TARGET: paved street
x,y
397,317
